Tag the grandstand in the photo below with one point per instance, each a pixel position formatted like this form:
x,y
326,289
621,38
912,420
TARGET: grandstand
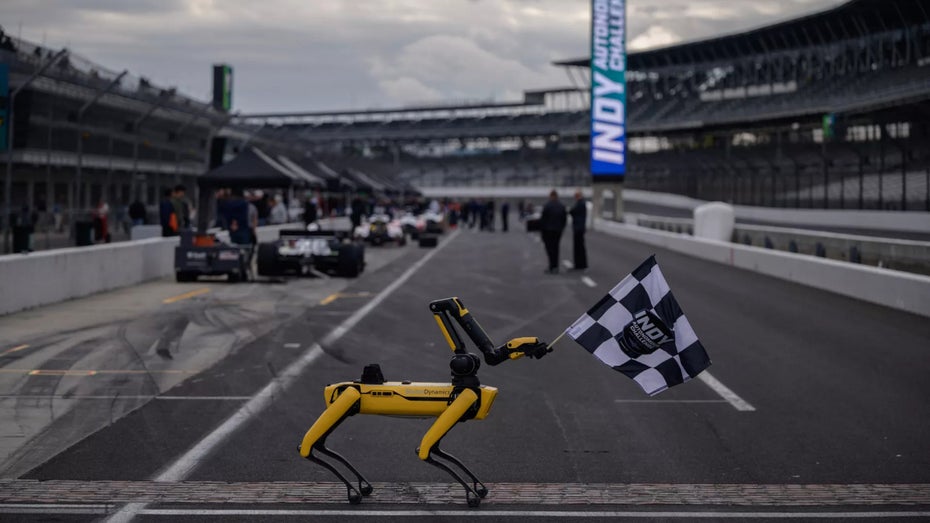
x,y
738,118
85,133
830,110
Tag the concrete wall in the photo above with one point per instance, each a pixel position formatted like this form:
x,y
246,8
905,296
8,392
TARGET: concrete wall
x,y
898,290
43,277
891,253
911,221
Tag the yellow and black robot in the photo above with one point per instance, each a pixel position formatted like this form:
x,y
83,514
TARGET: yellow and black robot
x,y
462,399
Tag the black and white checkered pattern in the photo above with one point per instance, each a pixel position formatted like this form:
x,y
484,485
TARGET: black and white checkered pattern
x,y
600,329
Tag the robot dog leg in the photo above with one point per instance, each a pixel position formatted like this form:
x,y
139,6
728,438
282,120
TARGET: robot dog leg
x,y
458,410
345,405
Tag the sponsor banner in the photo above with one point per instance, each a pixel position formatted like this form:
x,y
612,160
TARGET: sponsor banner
x,y
222,87
608,88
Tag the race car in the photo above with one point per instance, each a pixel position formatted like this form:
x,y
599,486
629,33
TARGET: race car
x,y
431,225
380,229
410,224
303,252
207,255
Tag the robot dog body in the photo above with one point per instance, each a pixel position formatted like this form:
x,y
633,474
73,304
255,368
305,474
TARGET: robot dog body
x,y
462,399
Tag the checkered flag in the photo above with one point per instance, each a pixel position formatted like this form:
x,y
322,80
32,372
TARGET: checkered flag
x,y
639,329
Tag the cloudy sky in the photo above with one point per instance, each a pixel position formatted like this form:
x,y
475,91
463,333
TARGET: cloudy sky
x,y
306,55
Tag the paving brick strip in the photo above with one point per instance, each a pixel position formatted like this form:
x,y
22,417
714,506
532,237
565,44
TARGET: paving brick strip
x,y
209,492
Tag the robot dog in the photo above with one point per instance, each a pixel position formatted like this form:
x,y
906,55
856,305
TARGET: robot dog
x,y
462,399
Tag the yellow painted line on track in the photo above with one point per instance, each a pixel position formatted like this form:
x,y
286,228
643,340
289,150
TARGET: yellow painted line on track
x,y
15,349
336,295
186,295
92,372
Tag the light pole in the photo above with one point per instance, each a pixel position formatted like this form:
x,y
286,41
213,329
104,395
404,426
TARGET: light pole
x,y
8,185
162,99
80,141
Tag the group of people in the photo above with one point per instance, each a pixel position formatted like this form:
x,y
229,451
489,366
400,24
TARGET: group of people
x,y
552,223
174,211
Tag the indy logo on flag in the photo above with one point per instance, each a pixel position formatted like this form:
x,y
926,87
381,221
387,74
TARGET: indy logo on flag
x,y
639,329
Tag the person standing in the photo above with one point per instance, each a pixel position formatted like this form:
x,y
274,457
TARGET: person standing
x,y
58,217
505,215
236,214
310,210
101,225
166,215
181,207
551,224
137,212
358,210
579,214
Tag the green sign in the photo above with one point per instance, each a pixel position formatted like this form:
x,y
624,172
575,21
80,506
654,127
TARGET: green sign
x,y
222,87
829,126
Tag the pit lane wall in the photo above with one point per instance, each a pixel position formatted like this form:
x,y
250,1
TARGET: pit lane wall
x,y
44,277
895,289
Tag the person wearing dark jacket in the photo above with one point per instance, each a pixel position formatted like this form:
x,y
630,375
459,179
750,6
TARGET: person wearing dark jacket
x,y
579,214
169,225
551,224
137,212
310,211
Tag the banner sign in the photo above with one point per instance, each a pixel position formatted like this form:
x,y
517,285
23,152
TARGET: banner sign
x,y
222,87
4,105
608,89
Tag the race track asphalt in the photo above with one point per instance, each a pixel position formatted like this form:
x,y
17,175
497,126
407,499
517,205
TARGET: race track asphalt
x,y
827,395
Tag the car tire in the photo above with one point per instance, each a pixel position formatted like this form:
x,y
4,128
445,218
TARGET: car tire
x,y
268,260
234,277
185,276
429,240
351,261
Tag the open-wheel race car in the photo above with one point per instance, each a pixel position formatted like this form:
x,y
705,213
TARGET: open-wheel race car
x,y
380,229
207,255
304,252
431,226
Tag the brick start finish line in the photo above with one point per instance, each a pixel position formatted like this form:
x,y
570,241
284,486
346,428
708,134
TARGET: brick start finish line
x,y
218,492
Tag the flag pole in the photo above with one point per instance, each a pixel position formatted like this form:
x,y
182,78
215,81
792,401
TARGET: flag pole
x,y
549,348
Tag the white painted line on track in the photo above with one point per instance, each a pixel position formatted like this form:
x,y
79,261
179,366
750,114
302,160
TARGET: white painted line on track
x,y
185,464
566,514
568,264
46,508
203,398
732,398
670,401
535,514
588,281
291,345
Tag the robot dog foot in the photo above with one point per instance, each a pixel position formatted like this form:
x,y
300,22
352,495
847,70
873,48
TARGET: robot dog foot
x,y
354,494
475,490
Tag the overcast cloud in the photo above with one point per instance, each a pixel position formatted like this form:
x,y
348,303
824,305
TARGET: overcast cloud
x,y
305,55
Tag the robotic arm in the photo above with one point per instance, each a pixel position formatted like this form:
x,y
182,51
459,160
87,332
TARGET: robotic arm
x,y
451,308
